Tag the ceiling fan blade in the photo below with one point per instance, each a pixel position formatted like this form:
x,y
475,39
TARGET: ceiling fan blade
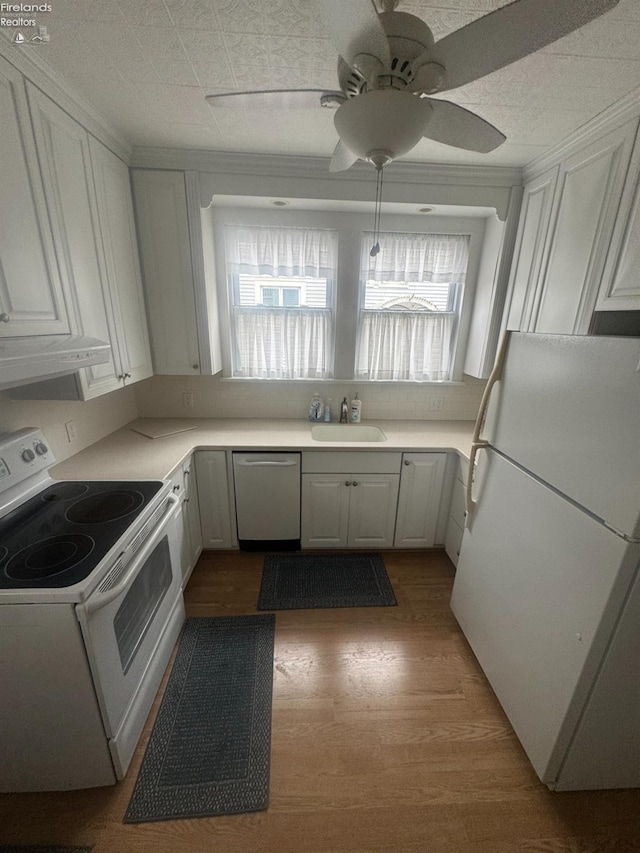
x,y
453,125
509,34
277,99
355,29
342,159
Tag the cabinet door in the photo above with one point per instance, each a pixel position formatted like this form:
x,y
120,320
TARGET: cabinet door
x,y
325,510
620,288
213,497
117,228
165,251
530,248
419,500
589,189
193,513
63,149
31,300
372,510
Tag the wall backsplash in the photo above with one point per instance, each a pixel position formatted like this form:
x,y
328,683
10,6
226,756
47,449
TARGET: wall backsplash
x,y
93,419
213,397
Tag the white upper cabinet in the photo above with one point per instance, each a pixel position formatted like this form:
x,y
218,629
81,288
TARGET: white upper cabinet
x,y
31,299
528,254
161,210
63,149
178,267
589,189
620,289
119,244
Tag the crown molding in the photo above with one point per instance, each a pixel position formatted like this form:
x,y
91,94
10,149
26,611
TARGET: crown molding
x,y
294,166
623,110
36,69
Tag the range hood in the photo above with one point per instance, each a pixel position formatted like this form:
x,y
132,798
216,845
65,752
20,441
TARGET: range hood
x,y
25,360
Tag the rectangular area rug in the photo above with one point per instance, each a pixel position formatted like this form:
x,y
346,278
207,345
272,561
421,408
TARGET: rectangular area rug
x,y
209,750
42,848
310,581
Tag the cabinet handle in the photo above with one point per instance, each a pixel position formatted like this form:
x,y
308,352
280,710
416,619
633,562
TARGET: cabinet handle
x,y
121,376
355,483
407,462
4,318
195,366
127,376
186,500
347,483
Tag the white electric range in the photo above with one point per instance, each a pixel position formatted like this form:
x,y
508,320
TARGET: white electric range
x,y
90,608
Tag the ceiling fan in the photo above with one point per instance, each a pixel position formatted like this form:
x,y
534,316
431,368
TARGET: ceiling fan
x,y
389,65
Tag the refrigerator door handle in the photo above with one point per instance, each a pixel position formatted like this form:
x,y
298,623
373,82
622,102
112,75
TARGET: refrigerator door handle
x,y
470,503
478,443
496,375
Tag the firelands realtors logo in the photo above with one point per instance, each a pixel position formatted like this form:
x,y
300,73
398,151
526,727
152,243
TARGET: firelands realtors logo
x,y
20,18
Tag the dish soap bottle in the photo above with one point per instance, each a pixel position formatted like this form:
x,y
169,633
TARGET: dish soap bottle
x,y
327,411
316,408
356,410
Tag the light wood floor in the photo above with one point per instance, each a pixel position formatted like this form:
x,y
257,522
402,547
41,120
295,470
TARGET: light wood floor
x,y
386,737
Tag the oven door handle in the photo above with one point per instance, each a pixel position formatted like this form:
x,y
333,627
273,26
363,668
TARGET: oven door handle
x,y
97,602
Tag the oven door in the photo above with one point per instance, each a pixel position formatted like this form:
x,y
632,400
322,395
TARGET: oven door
x,y
124,625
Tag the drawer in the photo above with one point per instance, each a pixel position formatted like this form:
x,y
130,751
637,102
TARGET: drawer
x,y
458,503
453,541
353,462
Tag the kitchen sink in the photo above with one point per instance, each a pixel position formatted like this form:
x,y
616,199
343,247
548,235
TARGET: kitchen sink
x,y
346,432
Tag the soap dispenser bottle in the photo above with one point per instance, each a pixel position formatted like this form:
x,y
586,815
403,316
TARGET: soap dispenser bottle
x,y
356,410
316,408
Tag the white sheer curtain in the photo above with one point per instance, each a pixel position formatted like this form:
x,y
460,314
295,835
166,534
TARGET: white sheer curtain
x,y
279,342
282,343
410,344
256,250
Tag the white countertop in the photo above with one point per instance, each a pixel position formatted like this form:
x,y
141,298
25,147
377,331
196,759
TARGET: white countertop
x,y
127,455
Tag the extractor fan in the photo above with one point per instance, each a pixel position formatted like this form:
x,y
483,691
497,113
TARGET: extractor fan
x,y
389,64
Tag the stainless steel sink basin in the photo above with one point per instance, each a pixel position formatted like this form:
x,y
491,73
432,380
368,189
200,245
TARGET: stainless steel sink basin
x,y
346,432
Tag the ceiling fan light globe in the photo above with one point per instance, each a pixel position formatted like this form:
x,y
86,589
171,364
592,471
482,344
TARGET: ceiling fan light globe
x,y
386,120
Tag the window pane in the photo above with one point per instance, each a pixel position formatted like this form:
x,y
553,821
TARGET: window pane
x,y
270,297
411,305
280,282
291,297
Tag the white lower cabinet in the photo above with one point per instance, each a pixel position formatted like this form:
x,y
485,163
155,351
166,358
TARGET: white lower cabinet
x,y
190,535
419,501
457,514
349,500
349,510
213,496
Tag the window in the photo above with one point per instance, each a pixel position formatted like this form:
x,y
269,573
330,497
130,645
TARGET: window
x,y
411,299
282,283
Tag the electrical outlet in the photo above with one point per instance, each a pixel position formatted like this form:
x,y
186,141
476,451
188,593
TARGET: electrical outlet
x,y
187,400
436,404
70,427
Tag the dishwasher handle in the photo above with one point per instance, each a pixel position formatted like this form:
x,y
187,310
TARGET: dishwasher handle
x,y
265,463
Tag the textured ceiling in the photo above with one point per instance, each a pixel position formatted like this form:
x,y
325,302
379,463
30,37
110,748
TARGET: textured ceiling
x,y
147,65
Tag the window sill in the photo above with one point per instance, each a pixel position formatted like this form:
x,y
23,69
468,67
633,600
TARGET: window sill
x,y
329,382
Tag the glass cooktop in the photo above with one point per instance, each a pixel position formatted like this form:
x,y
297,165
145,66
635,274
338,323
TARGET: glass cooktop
x,y
58,537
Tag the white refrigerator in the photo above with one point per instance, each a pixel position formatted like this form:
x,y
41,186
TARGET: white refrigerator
x,y
547,589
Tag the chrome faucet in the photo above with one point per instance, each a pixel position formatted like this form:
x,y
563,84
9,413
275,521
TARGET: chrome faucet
x,y
344,412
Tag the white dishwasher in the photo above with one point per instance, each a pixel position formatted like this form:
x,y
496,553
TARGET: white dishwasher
x,y
267,487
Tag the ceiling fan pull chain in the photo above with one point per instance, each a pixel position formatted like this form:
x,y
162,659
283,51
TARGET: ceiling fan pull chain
x,y
375,249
